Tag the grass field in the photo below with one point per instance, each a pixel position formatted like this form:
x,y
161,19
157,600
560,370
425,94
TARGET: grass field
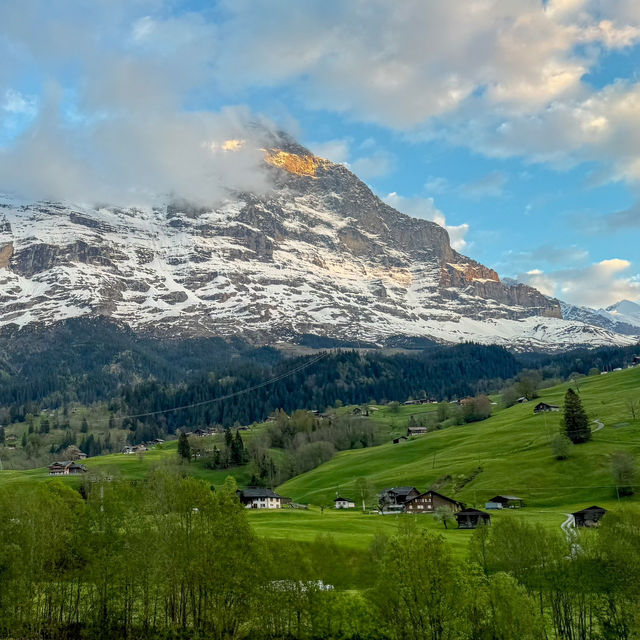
x,y
507,454
356,530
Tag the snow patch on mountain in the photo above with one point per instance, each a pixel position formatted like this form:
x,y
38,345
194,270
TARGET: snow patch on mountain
x,y
319,255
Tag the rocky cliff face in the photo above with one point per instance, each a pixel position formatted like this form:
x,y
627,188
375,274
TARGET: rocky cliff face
x,y
319,254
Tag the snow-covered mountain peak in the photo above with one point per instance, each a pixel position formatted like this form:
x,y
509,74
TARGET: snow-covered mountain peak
x,y
320,254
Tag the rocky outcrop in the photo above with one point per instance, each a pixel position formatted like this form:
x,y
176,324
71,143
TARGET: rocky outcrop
x,y
6,251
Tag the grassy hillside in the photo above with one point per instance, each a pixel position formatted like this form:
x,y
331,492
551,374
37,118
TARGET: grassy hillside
x,y
508,453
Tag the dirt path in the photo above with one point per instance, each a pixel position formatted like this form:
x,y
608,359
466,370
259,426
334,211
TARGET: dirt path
x,y
600,426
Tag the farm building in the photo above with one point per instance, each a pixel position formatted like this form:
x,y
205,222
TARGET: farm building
x,y
588,517
543,407
260,498
522,400
504,502
343,503
416,431
400,439
131,449
471,518
66,468
636,361
429,501
395,498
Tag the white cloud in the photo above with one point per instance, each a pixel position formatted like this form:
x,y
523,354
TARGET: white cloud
x,y
490,185
598,285
112,123
437,185
378,164
503,77
17,103
375,163
426,209
335,150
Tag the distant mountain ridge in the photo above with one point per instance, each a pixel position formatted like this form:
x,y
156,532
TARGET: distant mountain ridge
x,y
318,255
622,317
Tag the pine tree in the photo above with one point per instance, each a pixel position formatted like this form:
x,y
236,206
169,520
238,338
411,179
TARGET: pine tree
x,y
2,435
84,428
184,448
576,423
237,450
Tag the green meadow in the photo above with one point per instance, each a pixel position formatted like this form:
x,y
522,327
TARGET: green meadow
x,y
508,453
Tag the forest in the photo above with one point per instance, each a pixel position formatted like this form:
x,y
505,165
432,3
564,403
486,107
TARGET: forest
x,y
171,558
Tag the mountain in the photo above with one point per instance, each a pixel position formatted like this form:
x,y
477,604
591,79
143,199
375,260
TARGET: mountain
x,y
622,317
625,311
318,254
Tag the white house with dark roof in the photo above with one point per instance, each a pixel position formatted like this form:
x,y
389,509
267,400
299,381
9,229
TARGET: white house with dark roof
x,y
343,503
259,498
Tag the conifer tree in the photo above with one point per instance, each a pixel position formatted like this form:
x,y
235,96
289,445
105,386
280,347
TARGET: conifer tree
x,y
576,423
184,448
237,450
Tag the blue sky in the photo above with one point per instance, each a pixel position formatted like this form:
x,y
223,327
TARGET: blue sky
x,y
515,123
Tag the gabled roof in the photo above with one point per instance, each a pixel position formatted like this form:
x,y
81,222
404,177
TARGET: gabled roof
x,y
435,493
342,499
495,498
402,490
471,512
589,510
257,492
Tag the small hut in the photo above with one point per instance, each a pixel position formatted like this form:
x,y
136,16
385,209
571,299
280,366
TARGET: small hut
x,y
543,407
588,517
400,439
504,502
471,518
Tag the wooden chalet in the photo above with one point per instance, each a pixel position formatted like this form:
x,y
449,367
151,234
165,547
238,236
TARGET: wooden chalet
x,y
429,501
131,449
543,407
394,499
260,498
471,518
416,431
522,400
400,439
504,502
66,468
343,503
588,517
